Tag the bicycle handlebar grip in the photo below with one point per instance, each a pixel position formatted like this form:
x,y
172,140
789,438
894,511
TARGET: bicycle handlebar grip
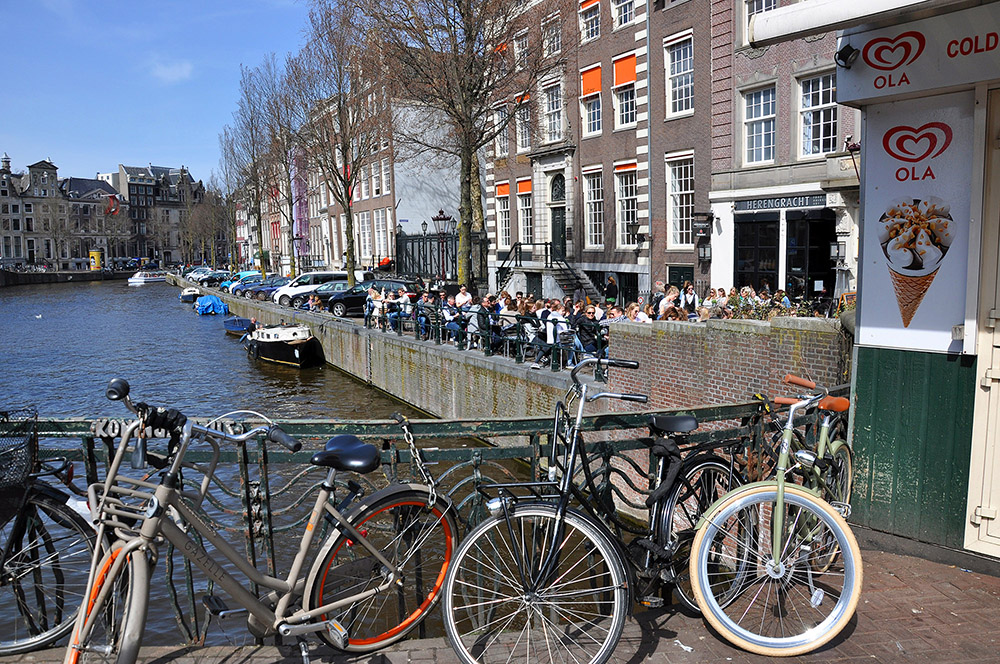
x,y
786,401
117,390
792,379
638,398
624,364
278,435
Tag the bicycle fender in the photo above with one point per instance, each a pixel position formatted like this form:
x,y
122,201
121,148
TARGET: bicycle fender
x,y
748,487
50,491
835,445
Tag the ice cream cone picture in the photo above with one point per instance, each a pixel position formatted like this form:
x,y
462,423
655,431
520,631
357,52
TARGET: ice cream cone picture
x,y
915,236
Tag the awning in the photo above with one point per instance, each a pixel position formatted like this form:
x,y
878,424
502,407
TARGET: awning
x,y
811,17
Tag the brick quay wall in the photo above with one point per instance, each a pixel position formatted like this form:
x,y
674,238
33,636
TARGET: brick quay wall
x,y
681,364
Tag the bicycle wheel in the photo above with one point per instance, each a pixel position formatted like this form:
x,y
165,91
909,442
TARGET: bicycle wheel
x,y
497,608
46,552
702,481
778,607
419,539
119,618
839,475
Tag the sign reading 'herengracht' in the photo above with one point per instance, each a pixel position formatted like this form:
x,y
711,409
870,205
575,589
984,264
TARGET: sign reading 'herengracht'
x,y
779,202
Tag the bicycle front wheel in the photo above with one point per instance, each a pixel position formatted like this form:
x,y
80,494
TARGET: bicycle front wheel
x,y
115,613
46,552
504,604
778,607
418,539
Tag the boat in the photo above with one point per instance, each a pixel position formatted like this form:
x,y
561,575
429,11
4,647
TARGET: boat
x,y
285,344
189,294
210,304
237,325
141,277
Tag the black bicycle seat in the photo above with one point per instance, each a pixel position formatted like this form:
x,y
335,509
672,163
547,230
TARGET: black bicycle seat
x,y
667,424
347,452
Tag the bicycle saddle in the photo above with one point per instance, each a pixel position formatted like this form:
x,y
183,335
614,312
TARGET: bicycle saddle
x,y
347,452
664,424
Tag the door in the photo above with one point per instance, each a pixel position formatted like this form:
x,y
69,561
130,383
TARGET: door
x,y
557,211
983,524
757,250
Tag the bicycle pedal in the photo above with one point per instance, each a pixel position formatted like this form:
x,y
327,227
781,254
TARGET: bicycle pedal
x,y
652,601
218,608
337,634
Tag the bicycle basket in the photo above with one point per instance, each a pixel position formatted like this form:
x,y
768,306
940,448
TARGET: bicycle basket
x,y
18,446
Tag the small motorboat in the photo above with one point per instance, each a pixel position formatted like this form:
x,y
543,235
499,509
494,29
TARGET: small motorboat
x,y
189,294
237,325
210,304
141,277
285,344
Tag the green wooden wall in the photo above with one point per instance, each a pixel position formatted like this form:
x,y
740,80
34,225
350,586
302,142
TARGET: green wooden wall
x,y
912,439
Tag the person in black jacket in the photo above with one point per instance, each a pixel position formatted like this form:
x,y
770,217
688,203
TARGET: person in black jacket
x,y
611,291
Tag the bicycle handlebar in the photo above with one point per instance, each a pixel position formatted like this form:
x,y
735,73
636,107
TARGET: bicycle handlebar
x,y
786,401
792,379
278,435
586,362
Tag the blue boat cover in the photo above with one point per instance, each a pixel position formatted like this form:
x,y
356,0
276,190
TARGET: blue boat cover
x,y
210,304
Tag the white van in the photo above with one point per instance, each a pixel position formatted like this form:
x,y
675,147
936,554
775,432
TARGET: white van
x,y
305,283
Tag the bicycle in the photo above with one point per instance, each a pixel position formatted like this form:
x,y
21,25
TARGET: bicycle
x,y
539,580
375,577
775,568
45,544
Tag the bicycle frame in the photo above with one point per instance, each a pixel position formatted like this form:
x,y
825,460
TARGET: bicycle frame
x,y
157,521
784,454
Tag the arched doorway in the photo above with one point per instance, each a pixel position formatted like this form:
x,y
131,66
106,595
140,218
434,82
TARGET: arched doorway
x,y
557,213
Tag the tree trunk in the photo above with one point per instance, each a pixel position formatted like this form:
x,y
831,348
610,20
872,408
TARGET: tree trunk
x,y
478,223
465,275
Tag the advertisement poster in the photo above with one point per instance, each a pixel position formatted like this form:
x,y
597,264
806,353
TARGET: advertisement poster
x,y
915,235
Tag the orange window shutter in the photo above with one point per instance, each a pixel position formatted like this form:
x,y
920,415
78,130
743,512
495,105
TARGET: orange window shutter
x,y
503,189
625,70
588,3
524,187
626,167
590,82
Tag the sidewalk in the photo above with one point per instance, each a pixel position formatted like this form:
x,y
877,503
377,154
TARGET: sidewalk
x,y
911,610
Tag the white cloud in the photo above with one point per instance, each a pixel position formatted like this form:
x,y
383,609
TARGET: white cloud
x,y
173,72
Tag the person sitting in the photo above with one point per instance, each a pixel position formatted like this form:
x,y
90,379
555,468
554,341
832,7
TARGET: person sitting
x,y
402,311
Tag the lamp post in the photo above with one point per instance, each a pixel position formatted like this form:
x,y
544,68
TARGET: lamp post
x,y
442,223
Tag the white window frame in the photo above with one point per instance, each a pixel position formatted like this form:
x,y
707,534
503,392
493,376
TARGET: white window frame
x,y
828,126
522,121
521,48
680,199
553,111
623,12
766,121
590,23
386,176
525,218
750,9
381,242
591,114
593,208
503,220
625,108
670,45
551,35
376,179
501,142
626,203
364,223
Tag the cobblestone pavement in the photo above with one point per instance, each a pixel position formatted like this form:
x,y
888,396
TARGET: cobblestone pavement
x,y
911,610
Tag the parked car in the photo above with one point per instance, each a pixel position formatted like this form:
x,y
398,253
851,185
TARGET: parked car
x,y
227,285
352,300
324,293
239,286
306,282
214,278
262,291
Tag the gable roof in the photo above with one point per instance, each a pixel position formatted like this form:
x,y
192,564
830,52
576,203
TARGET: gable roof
x,y
44,164
86,188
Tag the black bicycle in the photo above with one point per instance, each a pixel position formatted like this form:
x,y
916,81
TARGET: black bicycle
x,y
45,543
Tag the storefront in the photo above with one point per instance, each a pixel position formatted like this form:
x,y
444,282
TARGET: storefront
x,y
926,399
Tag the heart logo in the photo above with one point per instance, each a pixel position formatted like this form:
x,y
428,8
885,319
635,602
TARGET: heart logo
x,y
888,54
913,145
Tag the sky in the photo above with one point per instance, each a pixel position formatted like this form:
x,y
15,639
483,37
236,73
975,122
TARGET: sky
x,y
90,84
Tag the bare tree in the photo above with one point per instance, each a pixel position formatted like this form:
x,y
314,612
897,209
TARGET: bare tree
x,y
339,103
460,57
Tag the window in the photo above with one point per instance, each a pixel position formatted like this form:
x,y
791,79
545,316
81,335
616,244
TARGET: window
x,y
624,11
624,95
680,77
520,51
381,246
364,223
386,171
27,207
759,110
364,182
523,127
501,143
376,179
590,20
553,113
551,36
680,199
627,193
593,198
759,7
819,115
29,224
590,100
503,214
525,215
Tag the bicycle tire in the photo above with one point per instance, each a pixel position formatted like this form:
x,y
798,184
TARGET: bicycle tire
x,y
47,548
575,615
120,619
702,480
839,474
782,609
399,517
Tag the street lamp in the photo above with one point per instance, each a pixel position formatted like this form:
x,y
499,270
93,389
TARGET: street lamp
x,y
443,223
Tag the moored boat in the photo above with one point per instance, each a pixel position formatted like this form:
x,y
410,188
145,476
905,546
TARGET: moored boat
x,y
210,304
143,277
189,294
285,344
237,325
